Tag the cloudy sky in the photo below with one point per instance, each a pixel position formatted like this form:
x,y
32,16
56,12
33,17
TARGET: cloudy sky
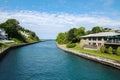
x,y
49,17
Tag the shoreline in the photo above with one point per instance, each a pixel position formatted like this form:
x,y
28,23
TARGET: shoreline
x,y
4,52
102,60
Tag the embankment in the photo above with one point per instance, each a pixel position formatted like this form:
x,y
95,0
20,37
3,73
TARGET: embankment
x,y
7,49
106,61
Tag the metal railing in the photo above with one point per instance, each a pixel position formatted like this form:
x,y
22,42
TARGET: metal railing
x,y
113,41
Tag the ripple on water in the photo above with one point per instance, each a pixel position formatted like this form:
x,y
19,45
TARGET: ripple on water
x,y
44,61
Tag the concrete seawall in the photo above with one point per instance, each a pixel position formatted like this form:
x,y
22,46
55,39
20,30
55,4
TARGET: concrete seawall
x,y
7,49
106,61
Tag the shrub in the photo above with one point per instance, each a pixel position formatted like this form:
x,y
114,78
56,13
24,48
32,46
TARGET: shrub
x,y
118,51
110,50
114,51
70,45
102,49
1,44
106,50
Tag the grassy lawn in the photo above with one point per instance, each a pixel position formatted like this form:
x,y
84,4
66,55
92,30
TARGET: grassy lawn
x,y
16,42
97,53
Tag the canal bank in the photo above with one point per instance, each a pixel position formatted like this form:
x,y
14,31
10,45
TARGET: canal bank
x,y
7,49
106,61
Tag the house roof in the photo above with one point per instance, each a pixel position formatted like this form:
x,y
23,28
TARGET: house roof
x,y
102,34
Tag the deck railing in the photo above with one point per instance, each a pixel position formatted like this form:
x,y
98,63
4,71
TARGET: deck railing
x,y
113,41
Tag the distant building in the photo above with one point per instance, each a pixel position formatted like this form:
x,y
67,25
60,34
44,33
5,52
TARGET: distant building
x,y
3,35
95,41
27,35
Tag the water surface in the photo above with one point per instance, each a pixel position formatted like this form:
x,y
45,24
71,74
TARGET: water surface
x,y
44,61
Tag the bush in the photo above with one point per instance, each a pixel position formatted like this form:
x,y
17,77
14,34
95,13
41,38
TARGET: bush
x,y
102,49
1,44
70,45
114,51
61,38
106,50
110,50
118,51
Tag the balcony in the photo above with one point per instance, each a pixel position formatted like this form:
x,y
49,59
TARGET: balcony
x,y
112,42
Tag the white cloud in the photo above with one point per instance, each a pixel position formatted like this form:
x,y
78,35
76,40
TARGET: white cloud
x,y
48,25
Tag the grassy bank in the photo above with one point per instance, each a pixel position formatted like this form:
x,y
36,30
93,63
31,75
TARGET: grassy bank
x,y
16,42
94,52
4,45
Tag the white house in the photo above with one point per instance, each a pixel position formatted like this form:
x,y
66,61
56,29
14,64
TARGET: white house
x,y
27,35
3,35
95,41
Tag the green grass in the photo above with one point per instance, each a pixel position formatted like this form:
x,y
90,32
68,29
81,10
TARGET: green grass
x,y
97,53
16,42
4,45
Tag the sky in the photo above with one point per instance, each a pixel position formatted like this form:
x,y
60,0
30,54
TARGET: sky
x,y
49,17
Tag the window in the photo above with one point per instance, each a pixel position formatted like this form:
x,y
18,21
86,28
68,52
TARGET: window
x,y
105,38
94,43
89,43
99,38
99,44
94,38
89,38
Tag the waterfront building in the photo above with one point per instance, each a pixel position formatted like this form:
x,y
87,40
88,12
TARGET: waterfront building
x,y
3,34
24,33
4,37
95,41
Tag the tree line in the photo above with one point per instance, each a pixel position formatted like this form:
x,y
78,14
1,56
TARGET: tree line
x,y
74,34
12,28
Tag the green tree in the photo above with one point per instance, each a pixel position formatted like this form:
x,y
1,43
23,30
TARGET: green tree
x,y
88,32
79,32
62,38
118,51
12,23
107,29
110,50
97,29
102,49
71,35
12,28
70,45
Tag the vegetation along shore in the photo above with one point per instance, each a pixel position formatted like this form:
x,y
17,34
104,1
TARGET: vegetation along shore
x,y
99,44
13,35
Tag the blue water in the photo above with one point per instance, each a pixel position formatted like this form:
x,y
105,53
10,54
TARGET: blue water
x,y
44,61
